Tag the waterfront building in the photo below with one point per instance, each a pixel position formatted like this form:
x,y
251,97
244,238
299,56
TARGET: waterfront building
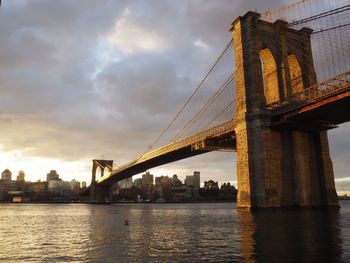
x,y
127,194
52,175
138,183
193,182
20,176
126,183
147,188
210,191
147,178
37,187
228,192
6,175
197,179
211,185
37,191
163,187
176,182
75,186
59,187
6,186
181,193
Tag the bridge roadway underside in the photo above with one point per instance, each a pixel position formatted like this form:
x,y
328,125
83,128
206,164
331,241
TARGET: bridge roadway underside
x,y
223,142
157,161
317,115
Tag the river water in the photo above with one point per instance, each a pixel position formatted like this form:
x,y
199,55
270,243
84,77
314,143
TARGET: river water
x,y
203,232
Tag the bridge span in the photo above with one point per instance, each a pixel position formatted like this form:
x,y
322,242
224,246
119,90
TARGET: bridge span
x,y
271,111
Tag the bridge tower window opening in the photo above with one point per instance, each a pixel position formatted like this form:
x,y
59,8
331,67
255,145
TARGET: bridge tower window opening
x,y
269,75
99,173
296,76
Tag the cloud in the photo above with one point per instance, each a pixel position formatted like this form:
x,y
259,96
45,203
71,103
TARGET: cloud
x,y
85,78
131,38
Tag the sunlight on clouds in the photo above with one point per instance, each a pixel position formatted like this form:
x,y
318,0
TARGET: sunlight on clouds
x,y
105,54
342,185
36,168
201,45
131,38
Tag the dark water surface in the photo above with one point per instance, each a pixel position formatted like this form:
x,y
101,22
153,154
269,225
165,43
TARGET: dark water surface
x,y
171,233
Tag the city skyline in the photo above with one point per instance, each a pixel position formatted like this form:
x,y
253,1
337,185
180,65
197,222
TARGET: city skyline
x,y
86,107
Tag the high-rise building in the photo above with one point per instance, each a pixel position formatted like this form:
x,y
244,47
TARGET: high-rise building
x,y
52,175
163,187
147,186
75,186
83,184
6,175
147,178
189,180
197,179
193,181
20,176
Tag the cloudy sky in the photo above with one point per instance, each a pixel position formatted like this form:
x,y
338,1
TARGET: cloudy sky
x,y
82,79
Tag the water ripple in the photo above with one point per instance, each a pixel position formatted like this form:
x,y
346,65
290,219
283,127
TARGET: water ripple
x,y
170,233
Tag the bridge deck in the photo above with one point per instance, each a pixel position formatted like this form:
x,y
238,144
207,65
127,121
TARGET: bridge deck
x,y
220,137
328,103
320,107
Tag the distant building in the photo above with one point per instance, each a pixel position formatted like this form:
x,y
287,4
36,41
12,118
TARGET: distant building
x,y
6,186
147,189
83,184
197,179
176,182
138,183
6,175
127,194
163,188
228,192
181,193
37,191
52,175
59,187
75,186
193,182
20,176
126,183
211,185
147,178
210,191
37,187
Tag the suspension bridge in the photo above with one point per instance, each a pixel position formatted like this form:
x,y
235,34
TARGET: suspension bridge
x,y
271,95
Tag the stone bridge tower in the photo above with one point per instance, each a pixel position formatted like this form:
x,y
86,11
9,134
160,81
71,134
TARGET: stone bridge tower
x,y
276,167
100,193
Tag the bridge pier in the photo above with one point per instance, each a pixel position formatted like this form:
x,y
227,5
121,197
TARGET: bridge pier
x,y
100,193
276,167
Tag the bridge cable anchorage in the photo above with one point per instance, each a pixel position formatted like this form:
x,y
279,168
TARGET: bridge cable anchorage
x,y
199,86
